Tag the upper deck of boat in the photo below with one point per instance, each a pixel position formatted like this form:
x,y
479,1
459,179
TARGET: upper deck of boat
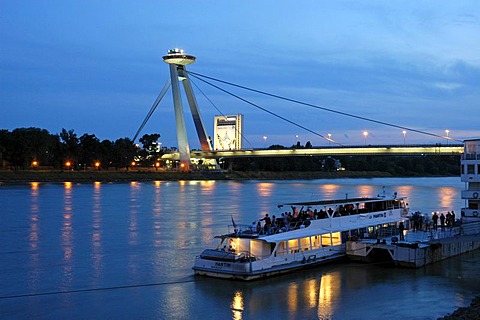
x,y
250,231
342,201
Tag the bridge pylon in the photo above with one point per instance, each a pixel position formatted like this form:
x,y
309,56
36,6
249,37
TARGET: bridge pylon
x,y
178,61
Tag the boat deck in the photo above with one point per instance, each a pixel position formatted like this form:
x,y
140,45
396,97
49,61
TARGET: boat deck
x,y
419,247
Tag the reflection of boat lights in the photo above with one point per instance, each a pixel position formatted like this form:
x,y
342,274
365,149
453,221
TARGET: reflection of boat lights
x,y
292,297
312,293
329,292
237,305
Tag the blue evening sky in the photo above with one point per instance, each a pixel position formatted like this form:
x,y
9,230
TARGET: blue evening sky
x,y
96,66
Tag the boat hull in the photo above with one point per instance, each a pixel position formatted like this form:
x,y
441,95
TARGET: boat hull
x,y
412,255
244,271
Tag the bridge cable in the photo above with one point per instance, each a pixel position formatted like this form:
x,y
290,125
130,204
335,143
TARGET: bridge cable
x,y
152,109
261,108
221,113
321,108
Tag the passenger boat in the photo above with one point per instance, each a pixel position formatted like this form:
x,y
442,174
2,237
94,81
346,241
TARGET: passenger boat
x,y
307,234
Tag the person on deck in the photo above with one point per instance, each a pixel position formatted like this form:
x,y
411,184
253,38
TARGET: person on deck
x,y
268,223
232,246
401,229
435,221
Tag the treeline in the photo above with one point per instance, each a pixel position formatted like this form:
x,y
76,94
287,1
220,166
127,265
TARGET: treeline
x,y
431,165
25,148
30,147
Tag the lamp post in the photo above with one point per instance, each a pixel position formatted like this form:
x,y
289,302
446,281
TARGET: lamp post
x,y
265,141
404,134
365,134
447,132
329,138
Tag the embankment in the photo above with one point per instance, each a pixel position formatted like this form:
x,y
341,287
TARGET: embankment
x,y
26,176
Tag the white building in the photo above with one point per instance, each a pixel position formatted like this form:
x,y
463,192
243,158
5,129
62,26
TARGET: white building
x,y
227,132
470,166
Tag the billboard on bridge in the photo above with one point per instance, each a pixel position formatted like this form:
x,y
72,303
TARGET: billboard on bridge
x,y
228,132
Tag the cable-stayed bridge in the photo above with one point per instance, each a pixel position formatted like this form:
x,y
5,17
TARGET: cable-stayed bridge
x,y
178,61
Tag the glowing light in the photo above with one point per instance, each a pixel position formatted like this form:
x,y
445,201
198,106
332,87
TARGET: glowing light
x,y
68,164
97,164
365,134
237,305
34,163
447,132
404,134
133,163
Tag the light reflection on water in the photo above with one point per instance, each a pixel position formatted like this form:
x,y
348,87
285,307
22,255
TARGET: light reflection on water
x,y
70,237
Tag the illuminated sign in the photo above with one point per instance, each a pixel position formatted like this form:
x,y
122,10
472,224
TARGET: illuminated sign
x,y
228,132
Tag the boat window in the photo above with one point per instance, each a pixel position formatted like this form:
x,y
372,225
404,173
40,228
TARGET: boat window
x,y
282,248
470,169
305,243
293,245
316,242
336,240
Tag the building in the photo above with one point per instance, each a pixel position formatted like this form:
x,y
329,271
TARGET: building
x,y
470,166
227,132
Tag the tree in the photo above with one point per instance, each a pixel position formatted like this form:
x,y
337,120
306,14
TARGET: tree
x,y
24,145
150,151
124,151
89,146
71,145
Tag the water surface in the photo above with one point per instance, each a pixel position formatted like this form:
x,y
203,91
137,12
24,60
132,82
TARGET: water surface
x,y
125,251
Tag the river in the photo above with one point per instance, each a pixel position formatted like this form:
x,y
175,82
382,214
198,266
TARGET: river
x,y
125,251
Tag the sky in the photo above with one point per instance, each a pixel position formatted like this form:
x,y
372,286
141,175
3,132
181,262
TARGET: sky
x,y
96,67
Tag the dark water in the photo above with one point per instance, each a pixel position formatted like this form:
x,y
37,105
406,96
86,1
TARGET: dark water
x,y
125,251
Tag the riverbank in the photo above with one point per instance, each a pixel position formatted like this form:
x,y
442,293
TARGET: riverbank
x,y
471,312
26,176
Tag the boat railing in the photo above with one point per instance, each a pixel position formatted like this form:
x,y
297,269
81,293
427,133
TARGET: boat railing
x,y
242,229
470,228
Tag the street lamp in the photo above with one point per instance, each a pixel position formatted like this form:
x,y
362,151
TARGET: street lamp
x,y
447,132
329,138
265,140
365,134
404,133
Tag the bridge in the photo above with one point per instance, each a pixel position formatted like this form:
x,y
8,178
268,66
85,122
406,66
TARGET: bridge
x,y
379,150
178,60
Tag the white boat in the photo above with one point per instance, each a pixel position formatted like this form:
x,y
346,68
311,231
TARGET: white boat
x,y
316,234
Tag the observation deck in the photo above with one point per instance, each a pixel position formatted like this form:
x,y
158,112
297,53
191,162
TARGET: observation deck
x,y
178,57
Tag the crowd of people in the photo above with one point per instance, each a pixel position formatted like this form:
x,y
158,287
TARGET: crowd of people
x,y
290,220
421,223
